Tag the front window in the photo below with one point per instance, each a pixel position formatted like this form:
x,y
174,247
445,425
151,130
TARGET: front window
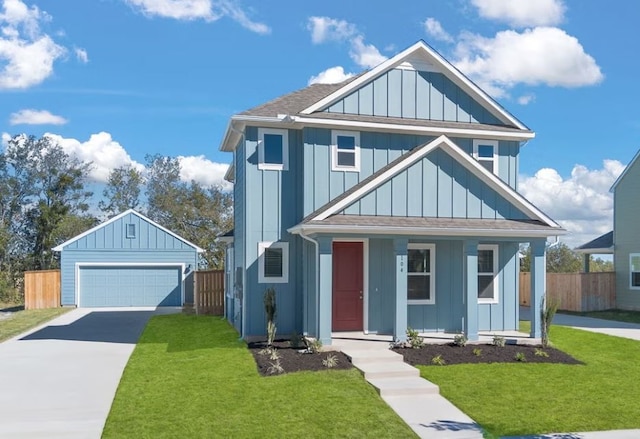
x,y
345,151
273,260
488,273
421,274
634,270
273,148
486,152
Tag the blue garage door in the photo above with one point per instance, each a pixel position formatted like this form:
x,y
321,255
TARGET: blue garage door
x,y
130,286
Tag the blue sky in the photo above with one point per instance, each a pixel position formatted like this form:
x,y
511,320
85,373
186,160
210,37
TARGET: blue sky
x,y
114,80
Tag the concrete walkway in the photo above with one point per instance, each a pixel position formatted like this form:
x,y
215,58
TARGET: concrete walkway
x,y
59,380
417,401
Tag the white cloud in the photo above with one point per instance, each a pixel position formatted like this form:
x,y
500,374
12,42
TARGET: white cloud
x,y
526,99
434,29
104,152
522,13
581,203
36,117
544,55
26,54
325,29
204,171
81,55
208,10
333,75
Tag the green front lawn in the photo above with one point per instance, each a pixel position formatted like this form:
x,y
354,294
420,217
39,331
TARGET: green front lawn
x,y
190,376
610,314
518,399
21,321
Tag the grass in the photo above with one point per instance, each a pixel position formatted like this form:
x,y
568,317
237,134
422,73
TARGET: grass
x,y
24,320
610,314
190,376
519,399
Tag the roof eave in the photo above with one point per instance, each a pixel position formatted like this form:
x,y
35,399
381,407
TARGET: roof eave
x,y
602,251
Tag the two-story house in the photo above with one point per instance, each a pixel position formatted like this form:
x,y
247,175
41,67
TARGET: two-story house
x,y
384,202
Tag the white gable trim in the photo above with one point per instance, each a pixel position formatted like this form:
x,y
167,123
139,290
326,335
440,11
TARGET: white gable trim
x,y
619,179
448,70
116,218
461,157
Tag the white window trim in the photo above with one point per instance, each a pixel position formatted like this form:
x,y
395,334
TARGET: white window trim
x,y
496,273
494,159
631,256
334,151
262,279
432,273
285,150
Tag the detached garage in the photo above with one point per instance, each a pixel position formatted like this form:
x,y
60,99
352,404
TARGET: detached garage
x,y
128,260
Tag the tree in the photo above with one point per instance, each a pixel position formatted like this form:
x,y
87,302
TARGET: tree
x,y
122,191
197,213
598,265
560,259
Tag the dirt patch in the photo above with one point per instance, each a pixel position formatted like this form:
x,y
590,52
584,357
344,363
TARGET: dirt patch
x,y
484,353
293,360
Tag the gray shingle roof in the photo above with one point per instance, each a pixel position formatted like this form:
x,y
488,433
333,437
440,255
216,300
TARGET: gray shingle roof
x,y
603,242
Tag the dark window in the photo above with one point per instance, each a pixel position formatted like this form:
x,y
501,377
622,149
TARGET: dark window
x,y
131,231
273,148
419,274
273,262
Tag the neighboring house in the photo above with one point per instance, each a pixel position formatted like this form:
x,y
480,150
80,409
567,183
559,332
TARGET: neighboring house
x,y
384,202
602,245
128,260
626,236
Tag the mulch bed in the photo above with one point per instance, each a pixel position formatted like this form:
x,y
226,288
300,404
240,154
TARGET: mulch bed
x,y
292,360
452,354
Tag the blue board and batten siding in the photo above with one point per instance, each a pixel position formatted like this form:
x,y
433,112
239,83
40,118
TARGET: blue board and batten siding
x,y
423,95
109,267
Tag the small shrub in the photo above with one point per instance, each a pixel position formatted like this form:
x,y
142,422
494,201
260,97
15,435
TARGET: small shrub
x,y
438,360
271,310
313,345
330,361
265,351
477,352
275,368
541,353
547,312
499,341
274,355
460,340
414,338
296,340
520,357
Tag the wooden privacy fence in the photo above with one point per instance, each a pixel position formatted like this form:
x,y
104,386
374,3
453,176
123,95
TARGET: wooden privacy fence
x,y
41,289
209,297
575,291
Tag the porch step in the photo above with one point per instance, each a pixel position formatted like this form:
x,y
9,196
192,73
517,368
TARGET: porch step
x,y
389,369
372,356
404,386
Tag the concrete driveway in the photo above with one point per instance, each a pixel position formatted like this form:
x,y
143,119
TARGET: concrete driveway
x,y
58,381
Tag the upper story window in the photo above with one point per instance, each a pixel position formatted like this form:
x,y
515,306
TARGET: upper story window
x,y
273,262
421,275
273,149
486,152
345,151
130,231
488,274
634,271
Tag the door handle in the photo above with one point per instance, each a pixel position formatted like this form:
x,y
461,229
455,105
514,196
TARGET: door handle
x,y
360,295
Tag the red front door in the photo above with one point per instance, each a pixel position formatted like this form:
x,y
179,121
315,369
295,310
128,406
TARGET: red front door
x,y
347,286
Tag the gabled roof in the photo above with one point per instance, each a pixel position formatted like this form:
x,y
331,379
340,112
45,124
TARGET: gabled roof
x,y
619,179
405,161
431,56
602,244
116,218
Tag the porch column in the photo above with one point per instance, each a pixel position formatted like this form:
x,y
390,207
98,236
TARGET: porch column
x,y
324,289
470,297
538,283
400,322
585,261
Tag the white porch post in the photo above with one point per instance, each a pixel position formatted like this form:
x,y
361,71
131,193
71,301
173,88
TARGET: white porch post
x,y
400,322
470,296
324,267
538,283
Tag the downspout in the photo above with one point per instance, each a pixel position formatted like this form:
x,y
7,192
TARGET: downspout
x,y
317,280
